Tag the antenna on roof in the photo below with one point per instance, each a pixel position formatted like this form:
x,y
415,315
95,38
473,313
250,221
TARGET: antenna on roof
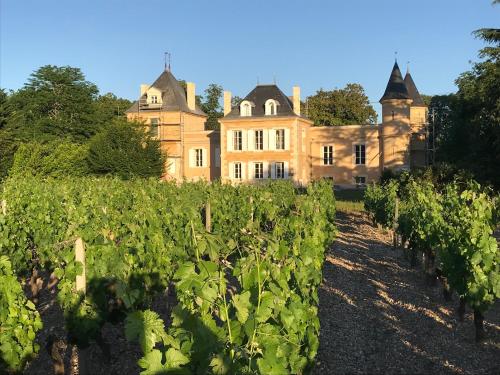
x,y
274,79
167,58
407,67
257,79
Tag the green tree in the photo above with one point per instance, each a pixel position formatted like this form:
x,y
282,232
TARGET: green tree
x,y
346,106
109,106
126,150
210,104
54,159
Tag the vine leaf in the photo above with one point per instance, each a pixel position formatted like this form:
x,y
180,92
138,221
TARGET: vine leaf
x,y
242,304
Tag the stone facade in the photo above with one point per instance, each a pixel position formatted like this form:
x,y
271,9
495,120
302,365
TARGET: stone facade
x,y
266,137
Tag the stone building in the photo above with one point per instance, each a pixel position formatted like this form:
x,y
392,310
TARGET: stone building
x,y
267,137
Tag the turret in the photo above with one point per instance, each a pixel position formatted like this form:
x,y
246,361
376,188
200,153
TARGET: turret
x,y
395,128
418,109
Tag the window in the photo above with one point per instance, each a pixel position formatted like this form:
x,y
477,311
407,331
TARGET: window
x,y
199,157
237,140
154,99
279,169
359,153
360,180
327,155
237,171
392,112
258,171
280,139
270,107
245,108
153,129
259,139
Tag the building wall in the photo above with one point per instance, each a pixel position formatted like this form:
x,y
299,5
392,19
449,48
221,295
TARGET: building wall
x,y
294,155
343,139
395,134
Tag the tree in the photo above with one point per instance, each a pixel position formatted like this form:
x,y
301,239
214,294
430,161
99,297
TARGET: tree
x,y
346,106
109,106
55,102
126,150
210,104
54,159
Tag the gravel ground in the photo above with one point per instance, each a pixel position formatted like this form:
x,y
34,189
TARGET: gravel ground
x,y
378,316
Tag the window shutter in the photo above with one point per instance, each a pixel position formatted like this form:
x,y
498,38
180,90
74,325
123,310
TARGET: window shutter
x,y
287,139
192,157
273,171
251,140
204,157
229,140
251,175
353,155
231,170
322,155
243,171
286,169
217,157
265,167
244,141
265,134
171,166
272,139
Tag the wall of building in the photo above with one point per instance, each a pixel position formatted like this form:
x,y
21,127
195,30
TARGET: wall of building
x,y
343,139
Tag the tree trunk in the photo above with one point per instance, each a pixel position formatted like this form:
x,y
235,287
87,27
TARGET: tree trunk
x,y
56,348
478,323
430,271
447,293
461,309
75,366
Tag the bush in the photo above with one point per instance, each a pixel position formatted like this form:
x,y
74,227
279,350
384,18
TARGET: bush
x,y
126,150
53,159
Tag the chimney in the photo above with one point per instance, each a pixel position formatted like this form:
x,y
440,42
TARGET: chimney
x,y
191,96
296,100
227,102
144,88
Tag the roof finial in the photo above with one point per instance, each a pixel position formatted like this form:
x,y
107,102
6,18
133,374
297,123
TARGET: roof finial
x,y
396,56
257,79
274,79
407,67
167,57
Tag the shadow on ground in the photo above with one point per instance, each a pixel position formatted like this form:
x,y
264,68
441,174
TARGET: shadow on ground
x,y
378,316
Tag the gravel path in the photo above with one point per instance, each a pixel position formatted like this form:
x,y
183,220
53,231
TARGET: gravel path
x,y
378,316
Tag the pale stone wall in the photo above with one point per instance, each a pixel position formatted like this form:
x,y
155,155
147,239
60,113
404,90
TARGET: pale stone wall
x,y
395,134
343,139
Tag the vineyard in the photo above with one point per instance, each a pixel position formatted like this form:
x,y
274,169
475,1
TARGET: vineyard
x,y
244,264
451,227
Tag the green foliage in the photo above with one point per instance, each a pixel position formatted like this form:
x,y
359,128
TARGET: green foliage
x,y
19,321
52,159
247,291
210,104
379,201
126,150
346,106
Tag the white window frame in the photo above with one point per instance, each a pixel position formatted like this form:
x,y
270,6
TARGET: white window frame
x,y
237,168
281,173
327,154
245,108
238,146
280,139
154,99
271,107
256,175
198,157
259,143
360,183
360,148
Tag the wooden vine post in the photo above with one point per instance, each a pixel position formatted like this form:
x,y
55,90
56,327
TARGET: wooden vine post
x,y
80,257
395,223
250,200
208,217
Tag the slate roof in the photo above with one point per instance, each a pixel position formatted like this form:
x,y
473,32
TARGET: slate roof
x,y
396,88
173,96
413,91
258,97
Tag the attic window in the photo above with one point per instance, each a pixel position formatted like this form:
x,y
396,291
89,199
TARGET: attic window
x,y
271,106
245,108
154,99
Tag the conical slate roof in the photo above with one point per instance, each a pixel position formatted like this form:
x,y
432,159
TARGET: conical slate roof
x,y
258,97
413,91
173,95
396,88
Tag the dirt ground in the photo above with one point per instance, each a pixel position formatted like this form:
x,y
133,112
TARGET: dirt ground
x,y
378,316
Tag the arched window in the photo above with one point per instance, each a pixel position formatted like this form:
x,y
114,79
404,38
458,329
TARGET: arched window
x,y
245,108
271,107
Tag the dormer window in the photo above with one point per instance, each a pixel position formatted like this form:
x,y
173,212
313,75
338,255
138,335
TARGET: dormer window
x,y
271,107
245,108
154,99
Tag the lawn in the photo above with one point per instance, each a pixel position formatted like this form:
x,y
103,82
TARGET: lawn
x,y
348,200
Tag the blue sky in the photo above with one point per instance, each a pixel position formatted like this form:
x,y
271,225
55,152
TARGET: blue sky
x,y
314,44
